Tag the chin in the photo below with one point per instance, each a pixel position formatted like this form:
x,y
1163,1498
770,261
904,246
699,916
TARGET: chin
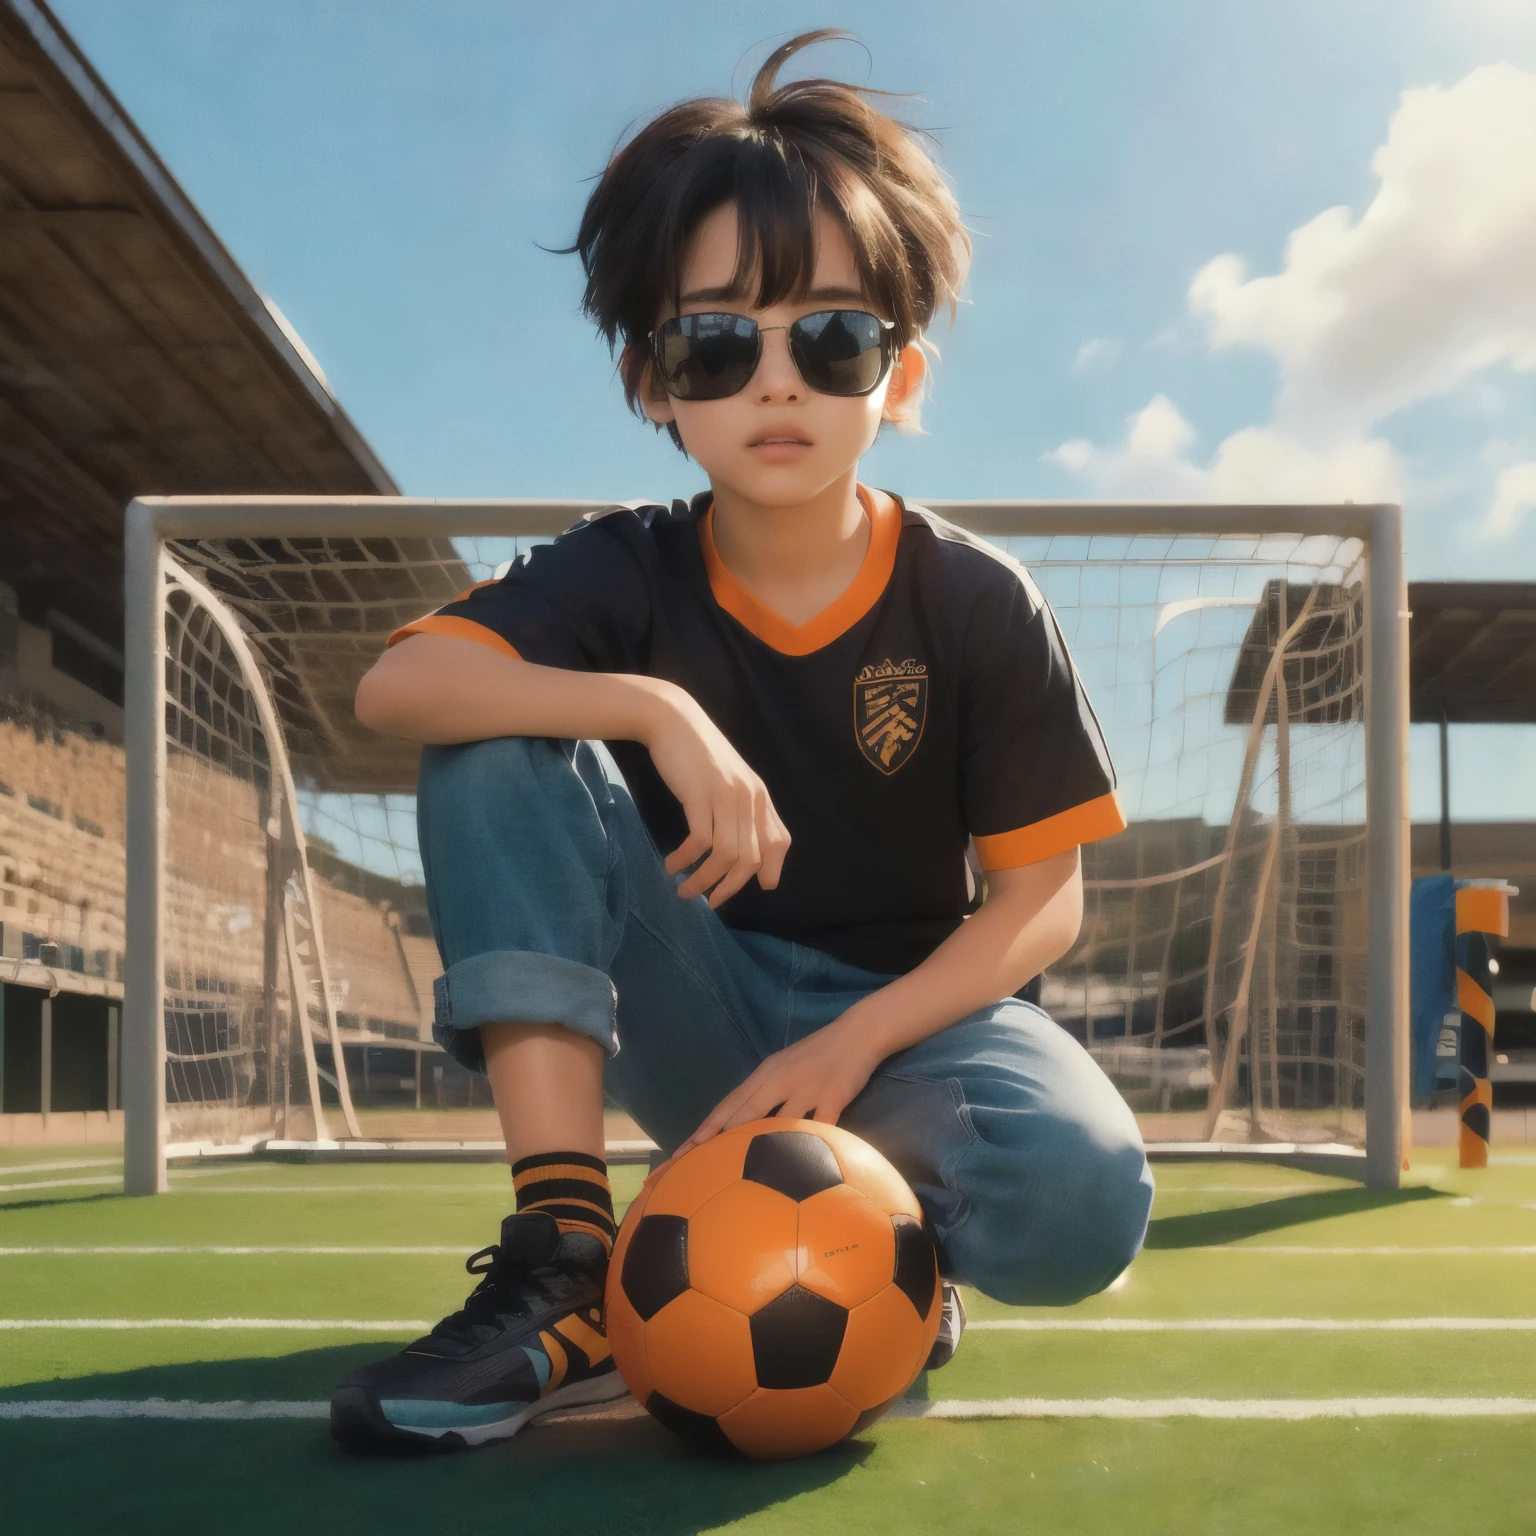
x,y
791,482
781,490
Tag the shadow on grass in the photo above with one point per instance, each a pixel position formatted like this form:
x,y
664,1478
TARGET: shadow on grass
x,y
34,1205
627,1476
1209,1229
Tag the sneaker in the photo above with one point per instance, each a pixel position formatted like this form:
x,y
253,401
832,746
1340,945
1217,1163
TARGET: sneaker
x,y
529,1340
951,1327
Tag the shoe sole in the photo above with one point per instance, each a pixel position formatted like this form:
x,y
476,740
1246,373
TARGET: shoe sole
x,y
944,1349
359,1424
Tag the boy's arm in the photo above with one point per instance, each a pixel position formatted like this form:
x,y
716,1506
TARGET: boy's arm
x,y
442,691
1030,918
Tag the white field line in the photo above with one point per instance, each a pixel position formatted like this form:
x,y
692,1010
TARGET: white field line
x,y
1289,1408
1379,1250
366,1187
158,1408
360,1188
302,1250
7,1169
223,1167
999,1324
248,1170
1257,1324
1250,1189
134,1250
497,1188
1281,1408
178,1175
10,1189
280,1324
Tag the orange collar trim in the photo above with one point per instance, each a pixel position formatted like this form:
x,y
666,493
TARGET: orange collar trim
x,y
840,615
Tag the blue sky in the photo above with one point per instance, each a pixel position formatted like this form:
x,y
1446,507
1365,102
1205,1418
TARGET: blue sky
x,y
386,172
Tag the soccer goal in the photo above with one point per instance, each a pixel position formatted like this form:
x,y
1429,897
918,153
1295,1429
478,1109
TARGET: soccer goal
x,y
1242,969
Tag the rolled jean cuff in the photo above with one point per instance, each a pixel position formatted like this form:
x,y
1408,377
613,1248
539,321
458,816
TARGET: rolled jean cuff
x,y
521,986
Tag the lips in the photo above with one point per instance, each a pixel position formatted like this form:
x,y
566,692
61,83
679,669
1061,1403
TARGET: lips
x,y
780,436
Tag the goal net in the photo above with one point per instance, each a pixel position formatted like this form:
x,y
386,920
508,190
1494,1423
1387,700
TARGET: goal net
x,y
1241,944
1221,966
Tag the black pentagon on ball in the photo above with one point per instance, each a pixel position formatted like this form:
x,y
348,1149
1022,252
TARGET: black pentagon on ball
x,y
917,1263
796,1163
656,1265
697,1428
796,1339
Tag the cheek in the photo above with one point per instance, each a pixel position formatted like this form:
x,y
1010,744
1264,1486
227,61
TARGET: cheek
x,y
710,422
867,417
849,420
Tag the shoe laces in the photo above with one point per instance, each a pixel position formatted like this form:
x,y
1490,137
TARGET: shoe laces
x,y
507,1289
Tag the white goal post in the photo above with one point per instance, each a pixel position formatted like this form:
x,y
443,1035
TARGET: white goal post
x,y
1245,951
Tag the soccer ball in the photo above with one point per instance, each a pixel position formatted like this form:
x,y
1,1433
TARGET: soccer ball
x,y
774,1290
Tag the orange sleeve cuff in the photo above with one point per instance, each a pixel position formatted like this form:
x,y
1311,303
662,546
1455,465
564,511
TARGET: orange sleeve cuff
x,y
456,629
1085,823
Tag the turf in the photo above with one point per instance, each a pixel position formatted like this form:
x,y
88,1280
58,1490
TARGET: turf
x,y
1215,1250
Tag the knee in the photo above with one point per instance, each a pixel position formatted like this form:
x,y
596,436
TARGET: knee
x,y
1058,1221
488,791
477,768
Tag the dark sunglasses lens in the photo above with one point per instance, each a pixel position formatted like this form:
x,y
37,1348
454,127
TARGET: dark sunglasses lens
x,y
840,351
707,357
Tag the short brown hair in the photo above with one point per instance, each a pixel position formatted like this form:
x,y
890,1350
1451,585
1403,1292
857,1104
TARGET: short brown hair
x,y
790,150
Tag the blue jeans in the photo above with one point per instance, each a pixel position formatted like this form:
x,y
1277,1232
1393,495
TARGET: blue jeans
x,y
551,903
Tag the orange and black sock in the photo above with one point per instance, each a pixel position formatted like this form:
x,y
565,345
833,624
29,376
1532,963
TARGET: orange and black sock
x,y
572,1187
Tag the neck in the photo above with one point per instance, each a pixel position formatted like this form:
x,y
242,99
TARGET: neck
x,y
770,547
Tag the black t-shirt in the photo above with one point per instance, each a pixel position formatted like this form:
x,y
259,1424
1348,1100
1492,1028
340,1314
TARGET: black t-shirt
x,y
932,703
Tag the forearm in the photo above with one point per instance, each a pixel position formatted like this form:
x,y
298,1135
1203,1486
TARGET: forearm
x,y
1029,919
437,689
1027,923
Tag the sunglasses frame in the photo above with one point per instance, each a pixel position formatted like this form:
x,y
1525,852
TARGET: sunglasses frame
x,y
887,350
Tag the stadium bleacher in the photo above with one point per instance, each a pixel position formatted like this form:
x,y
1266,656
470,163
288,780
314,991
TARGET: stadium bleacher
x,y
62,832
61,847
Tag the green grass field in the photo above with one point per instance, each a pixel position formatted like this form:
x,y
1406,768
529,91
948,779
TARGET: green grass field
x,y
1229,1243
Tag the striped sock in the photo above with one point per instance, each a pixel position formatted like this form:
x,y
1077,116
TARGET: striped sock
x,y
571,1187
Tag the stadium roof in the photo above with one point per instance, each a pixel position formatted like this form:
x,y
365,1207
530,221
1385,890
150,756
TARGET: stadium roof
x,y
135,356
1472,652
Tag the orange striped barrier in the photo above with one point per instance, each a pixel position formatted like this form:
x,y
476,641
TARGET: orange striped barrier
x,y
1481,910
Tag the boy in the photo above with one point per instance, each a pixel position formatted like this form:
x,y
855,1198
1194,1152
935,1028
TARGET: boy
x,y
698,782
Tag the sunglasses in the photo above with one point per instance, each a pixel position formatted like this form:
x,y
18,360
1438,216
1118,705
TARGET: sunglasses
x,y
712,356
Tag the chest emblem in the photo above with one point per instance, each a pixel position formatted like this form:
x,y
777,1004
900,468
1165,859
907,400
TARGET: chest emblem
x,y
890,702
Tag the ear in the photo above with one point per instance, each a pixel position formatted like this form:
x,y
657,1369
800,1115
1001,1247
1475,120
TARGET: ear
x,y
904,389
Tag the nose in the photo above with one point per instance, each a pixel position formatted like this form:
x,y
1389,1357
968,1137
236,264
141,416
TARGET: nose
x,y
777,378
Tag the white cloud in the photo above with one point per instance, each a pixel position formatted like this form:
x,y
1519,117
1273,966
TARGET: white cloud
x,y
1513,497
1256,464
1076,454
1504,13
1436,281
1432,285
1498,453
1100,352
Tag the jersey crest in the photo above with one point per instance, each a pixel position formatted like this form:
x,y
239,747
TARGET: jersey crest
x,y
890,703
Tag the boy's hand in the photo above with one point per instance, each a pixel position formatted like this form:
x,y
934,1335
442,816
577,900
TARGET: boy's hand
x,y
730,816
814,1079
